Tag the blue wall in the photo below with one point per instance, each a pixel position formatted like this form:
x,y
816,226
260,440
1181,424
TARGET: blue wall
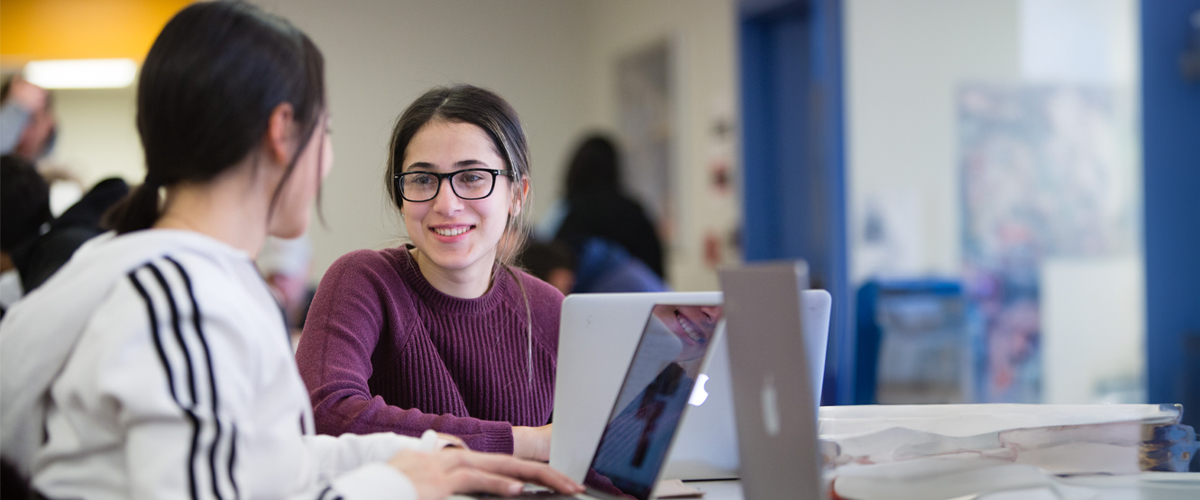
x,y
1171,142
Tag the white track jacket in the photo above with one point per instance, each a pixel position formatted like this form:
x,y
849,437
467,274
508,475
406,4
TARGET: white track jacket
x,y
157,365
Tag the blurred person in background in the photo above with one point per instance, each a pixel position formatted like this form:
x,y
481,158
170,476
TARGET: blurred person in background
x,y
24,210
550,262
27,122
597,207
603,266
41,258
285,265
35,243
595,266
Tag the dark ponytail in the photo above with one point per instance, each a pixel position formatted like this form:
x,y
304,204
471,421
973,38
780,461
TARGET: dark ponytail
x,y
206,93
137,210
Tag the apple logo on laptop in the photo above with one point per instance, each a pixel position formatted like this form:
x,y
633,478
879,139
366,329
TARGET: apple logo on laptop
x,y
699,395
770,406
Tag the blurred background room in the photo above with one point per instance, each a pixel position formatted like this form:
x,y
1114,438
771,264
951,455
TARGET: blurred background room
x,y
1000,195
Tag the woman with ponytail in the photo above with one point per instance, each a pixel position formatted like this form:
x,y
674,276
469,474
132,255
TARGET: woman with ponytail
x,y
155,364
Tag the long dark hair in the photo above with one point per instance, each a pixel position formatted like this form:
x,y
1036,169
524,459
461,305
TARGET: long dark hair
x,y
488,111
206,93
596,167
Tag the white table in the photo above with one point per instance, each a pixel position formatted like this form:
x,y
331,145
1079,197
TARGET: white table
x,y
718,490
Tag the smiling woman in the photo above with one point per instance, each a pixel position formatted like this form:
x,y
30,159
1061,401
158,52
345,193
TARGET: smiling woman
x,y
443,333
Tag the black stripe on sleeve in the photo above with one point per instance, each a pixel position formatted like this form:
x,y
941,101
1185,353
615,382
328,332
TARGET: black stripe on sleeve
x,y
175,322
233,459
162,355
325,494
155,334
212,383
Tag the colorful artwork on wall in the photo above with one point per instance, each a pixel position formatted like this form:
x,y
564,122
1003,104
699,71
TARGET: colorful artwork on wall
x,y
1045,173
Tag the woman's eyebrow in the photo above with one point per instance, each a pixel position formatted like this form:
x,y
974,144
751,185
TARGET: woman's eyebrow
x,y
468,164
419,165
459,165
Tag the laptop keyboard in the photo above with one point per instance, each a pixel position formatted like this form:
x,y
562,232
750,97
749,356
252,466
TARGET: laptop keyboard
x,y
539,495
545,495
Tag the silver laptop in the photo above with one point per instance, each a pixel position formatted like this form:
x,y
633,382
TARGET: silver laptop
x,y
597,339
773,393
641,425
598,335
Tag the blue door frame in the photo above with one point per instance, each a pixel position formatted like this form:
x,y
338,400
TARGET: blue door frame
x,y
1171,179
792,142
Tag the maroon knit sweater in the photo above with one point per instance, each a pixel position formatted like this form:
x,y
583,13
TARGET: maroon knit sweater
x,y
383,350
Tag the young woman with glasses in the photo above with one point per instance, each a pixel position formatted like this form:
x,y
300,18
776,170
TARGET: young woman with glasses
x,y
442,333
155,364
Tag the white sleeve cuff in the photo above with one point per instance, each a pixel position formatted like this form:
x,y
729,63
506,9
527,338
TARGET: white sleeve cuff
x,y
375,481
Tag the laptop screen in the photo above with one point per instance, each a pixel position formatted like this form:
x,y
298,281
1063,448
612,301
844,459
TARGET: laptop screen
x,y
665,366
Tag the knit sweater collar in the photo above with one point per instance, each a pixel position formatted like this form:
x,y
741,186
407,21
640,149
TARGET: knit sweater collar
x,y
411,273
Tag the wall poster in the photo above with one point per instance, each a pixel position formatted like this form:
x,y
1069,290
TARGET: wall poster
x,y
1046,173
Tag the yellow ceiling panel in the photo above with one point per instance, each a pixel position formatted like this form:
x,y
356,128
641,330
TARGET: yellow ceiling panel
x,y
81,29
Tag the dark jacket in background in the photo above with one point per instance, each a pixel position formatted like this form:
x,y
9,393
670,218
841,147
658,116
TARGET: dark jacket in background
x,y
605,267
614,217
38,260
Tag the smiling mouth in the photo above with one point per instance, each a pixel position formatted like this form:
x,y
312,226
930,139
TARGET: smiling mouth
x,y
692,331
452,231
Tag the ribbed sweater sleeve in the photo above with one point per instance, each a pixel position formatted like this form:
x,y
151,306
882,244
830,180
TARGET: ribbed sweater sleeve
x,y
382,350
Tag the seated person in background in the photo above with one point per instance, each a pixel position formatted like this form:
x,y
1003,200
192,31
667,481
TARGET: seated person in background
x,y
154,364
595,266
285,263
24,209
44,256
550,262
598,208
442,333
27,122
602,266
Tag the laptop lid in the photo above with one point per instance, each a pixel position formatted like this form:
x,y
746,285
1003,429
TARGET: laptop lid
x,y
597,339
773,393
652,400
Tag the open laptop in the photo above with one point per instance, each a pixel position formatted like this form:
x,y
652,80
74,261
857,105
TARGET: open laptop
x,y
597,339
598,335
776,411
653,397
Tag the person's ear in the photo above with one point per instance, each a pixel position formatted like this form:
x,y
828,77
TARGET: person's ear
x,y
280,134
519,201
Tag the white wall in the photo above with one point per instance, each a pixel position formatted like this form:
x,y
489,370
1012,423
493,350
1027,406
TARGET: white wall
x,y
97,136
1093,316
904,63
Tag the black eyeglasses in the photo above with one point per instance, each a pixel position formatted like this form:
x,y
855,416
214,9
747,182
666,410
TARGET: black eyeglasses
x,y
468,184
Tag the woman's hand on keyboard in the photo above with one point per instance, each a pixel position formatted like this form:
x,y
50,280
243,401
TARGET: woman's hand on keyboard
x,y
439,474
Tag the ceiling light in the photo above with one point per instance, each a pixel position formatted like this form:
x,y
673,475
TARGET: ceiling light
x,y
81,73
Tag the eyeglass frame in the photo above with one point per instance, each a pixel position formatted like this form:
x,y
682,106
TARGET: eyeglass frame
x,y
447,175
